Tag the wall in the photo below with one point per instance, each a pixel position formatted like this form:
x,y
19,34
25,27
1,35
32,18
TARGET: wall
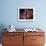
x,y
8,13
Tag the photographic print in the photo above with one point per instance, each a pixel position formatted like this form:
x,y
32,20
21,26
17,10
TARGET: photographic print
x,y
26,14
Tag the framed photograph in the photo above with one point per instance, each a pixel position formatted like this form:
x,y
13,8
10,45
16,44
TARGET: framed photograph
x,y
26,14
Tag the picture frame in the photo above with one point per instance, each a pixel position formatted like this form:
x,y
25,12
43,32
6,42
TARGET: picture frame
x,y
26,14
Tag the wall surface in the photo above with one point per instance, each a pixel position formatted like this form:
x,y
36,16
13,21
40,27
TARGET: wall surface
x,y
8,13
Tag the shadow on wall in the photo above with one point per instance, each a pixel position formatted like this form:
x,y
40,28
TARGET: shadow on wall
x,y
2,26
